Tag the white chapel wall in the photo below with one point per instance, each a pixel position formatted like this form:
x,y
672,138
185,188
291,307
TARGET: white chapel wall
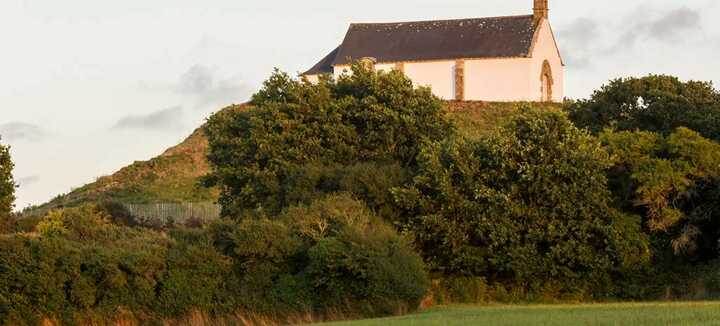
x,y
313,78
439,75
498,80
386,67
545,49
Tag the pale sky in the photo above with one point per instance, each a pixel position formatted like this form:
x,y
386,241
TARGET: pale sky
x,y
89,86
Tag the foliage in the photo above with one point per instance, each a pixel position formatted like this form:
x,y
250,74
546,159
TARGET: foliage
x,y
369,117
7,183
82,265
655,103
674,181
332,255
526,205
358,259
173,177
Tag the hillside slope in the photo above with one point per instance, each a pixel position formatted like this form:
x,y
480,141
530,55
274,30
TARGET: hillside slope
x,y
173,176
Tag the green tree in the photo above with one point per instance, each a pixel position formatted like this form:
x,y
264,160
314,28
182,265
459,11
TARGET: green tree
x,y
673,181
300,137
528,205
7,183
654,103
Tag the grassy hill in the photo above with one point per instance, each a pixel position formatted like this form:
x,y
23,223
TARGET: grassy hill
x,y
173,176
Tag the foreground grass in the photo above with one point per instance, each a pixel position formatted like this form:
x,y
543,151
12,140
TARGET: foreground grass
x,y
679,313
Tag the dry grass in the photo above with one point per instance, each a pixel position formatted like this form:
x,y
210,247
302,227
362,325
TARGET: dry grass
x,y
200,318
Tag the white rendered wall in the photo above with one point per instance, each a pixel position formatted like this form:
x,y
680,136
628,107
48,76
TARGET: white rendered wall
x,y
498,80
387,67
313,78
439,75
345,69
545,49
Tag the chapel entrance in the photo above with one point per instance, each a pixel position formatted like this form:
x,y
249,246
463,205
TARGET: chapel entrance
x,y
546,82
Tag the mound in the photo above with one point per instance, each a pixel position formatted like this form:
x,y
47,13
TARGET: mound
x,y
173,176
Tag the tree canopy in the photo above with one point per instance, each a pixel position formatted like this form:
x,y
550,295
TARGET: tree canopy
x,y
673,181
528,203
656,103
299,134
7,183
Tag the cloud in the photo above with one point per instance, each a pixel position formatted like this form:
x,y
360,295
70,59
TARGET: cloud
x,y
579,38
26,181
163,120
197,80
203,83
15,131
671,27
580,33
674,24
586,40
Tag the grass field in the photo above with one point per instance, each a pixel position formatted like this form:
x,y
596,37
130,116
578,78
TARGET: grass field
x,y
681,313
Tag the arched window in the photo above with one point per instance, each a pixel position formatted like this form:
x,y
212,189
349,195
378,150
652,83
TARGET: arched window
x,y
546,82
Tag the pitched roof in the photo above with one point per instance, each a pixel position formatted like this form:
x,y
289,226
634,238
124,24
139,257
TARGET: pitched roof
x,y
325,65
493,37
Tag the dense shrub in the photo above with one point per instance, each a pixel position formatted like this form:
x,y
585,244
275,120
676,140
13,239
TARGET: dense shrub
x,y
194,278
369,117
655,103
80,265
79,262
527,205
357,259
7,183
674,182
662,134
332,255
368,181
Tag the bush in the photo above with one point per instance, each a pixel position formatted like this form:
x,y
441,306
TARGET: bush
x,y
369,182
460,289
673,182
87,222
525,206
7,183
333,255
357,260
369,117
118,213
194,278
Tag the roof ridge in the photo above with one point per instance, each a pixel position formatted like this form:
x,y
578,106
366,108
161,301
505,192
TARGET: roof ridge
x,y
443,20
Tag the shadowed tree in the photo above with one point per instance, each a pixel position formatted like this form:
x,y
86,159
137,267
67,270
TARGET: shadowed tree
x,y
7,183
359,133
656,103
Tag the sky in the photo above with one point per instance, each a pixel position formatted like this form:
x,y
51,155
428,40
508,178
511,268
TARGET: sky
x,y
89,86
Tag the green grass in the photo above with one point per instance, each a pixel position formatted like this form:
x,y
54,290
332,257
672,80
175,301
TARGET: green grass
x,y
679,313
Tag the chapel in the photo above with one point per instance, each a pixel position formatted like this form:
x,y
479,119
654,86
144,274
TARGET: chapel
x,y
498,59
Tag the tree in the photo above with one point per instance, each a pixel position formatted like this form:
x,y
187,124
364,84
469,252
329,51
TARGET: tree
x,y
7,183
674,182
300,140
654,103
528,204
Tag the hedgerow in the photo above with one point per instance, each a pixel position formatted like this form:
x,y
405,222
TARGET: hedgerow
x,y
80,263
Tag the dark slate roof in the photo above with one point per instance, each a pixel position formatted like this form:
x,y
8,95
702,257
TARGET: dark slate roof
x,y
325,65
494,37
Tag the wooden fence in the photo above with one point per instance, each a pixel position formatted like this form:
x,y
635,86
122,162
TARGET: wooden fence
x,y
178,213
